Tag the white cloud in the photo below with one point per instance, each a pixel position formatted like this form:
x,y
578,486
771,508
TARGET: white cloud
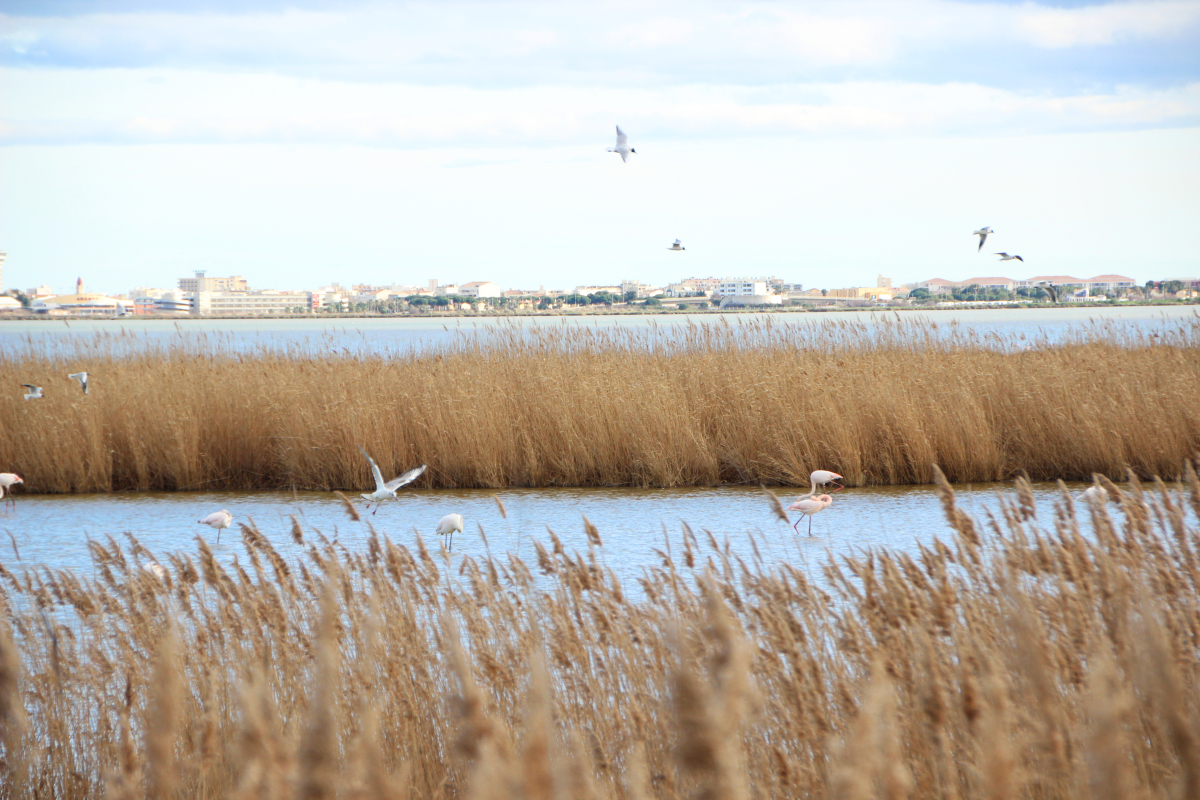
x,y
133,106
1107,24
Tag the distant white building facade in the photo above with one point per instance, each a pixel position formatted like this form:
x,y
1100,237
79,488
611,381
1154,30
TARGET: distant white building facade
x,y
479,289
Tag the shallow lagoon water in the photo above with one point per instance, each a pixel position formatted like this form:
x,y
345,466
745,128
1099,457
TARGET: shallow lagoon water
x,y
53,530
406,334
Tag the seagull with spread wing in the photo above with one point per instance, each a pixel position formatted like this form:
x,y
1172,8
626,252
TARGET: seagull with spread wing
x,y
34,393
1007,257
82,377
384,490
622,145
982,233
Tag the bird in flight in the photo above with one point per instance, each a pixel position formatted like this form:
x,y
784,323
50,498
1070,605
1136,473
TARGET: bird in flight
x,y
1050,290
982,233
34,393
677,246
384,490
1007,257
82,377
622,145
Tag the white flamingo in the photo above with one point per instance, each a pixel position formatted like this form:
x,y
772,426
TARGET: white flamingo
x,y
155,569
218,520
385,490
822,477
7,481
448,525
1095,494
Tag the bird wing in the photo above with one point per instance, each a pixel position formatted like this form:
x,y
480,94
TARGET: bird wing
x,y
408,477
29,386
379,484
621,137
1050,290
624,155
216,516
982,239
1018,258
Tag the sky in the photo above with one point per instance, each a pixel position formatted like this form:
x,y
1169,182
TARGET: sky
x,y
826,143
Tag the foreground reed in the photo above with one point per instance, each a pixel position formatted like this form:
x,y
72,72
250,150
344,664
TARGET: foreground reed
x,y
753,402
1016,659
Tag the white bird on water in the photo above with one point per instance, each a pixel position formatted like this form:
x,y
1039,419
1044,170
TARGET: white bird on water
x,y
82,377
448,525
622,145
34,393
1094,494
155,569
677,246
218,520
385,490
808,505
7,481
982,233
1007,257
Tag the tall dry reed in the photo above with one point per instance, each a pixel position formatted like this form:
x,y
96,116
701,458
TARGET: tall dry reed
x,y
761,402
1016,658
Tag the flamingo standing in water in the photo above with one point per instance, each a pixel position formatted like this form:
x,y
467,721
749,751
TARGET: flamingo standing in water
x,y
447,525
807,506
7,479
218,520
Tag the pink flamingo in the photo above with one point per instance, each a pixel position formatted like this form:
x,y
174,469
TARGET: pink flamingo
x,y
807,506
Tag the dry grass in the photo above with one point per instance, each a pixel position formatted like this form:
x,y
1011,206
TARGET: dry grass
x,y
1015,660
754,402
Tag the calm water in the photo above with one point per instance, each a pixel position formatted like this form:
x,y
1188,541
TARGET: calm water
x,y
53,530
413,333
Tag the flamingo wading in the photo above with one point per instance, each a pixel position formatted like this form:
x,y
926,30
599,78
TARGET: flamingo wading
x,y
218,520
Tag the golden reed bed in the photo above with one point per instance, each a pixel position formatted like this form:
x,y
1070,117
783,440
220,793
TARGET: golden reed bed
x,y
751,402
1018,659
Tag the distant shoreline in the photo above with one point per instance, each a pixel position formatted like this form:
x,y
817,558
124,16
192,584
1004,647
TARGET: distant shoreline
x,y
606,312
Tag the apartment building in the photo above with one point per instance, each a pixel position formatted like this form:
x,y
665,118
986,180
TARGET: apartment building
x,y
740,287
250,303
479,289
202,283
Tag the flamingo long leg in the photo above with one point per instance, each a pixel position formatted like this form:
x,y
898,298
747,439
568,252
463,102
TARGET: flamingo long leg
x,y
810,516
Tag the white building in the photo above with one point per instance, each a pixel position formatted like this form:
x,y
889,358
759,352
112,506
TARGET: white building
x,y
446,290
639,289
249,304
741,287
597,289
479,289
202,283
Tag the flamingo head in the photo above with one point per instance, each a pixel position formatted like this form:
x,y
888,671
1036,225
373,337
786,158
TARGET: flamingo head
x,y
19,479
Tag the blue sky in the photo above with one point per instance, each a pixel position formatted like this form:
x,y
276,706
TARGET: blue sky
x,y
825,142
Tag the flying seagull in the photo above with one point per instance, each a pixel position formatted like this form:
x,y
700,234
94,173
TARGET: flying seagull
x,y
677,246
1050,290
622,145
34,393
82,377
1007,257
385,490
982,233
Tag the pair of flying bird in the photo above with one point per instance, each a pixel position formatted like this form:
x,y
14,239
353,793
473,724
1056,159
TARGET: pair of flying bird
x,y
982,233
37,392
623,149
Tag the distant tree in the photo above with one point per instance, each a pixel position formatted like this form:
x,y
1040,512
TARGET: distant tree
x,y
652,302
824,293
600,298
920,294
704,304
1171,287
1038,293
24,299
544,303
682,306
630,296
441,301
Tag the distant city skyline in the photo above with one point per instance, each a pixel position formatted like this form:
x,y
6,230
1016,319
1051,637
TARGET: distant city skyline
x,y
306,142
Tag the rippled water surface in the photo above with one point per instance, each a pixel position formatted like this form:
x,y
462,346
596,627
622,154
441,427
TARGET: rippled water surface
x,y
413,333
53,530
